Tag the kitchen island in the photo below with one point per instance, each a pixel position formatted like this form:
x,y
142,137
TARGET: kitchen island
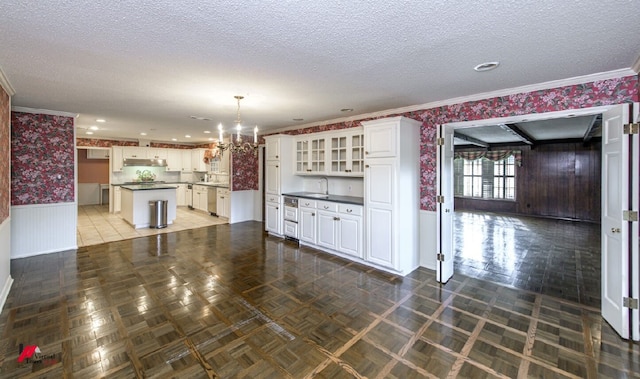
x,y
135,200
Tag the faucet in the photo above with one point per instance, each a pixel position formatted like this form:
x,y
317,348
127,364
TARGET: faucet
x,y
326,192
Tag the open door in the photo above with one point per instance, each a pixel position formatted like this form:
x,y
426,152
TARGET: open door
x,y
619,231
444,210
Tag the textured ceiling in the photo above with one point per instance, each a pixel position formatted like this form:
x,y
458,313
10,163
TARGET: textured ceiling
x,y
149,66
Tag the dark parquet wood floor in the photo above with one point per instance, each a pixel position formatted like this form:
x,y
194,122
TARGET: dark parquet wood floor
x,y
229,302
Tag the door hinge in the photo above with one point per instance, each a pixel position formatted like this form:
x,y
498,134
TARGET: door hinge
x,y
440,257
630,303
630,216
631,128
440,199
440,141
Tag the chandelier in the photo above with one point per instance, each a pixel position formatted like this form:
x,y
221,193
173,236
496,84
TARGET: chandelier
x,y
238,146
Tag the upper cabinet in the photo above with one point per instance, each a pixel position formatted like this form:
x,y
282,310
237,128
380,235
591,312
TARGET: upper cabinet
x,y
380,140
174,160
157,153
346,154
311,154
98,153
197,160
116,158
186,161
135,152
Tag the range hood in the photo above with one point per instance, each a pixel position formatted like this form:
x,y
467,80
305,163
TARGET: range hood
x,y
131,162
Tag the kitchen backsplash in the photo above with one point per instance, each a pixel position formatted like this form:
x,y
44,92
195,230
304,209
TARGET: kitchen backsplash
x,y
129,174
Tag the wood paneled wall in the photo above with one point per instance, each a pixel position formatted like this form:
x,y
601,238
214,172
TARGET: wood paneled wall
x,y
557,180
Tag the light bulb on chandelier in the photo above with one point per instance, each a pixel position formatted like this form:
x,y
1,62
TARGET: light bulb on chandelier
x,y
238,145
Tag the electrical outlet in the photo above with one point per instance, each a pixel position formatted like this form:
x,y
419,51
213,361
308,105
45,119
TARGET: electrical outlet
x,y
349,188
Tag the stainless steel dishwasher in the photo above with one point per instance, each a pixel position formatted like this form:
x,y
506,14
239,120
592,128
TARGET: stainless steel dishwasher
x,y
212,200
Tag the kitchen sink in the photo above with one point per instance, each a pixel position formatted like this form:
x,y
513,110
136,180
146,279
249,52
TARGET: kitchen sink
x,y
316,195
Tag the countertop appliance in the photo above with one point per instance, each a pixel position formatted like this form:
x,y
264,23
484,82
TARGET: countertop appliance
x,y
212,200
290,217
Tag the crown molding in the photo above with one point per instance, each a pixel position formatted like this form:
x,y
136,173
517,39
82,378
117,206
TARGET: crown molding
x,y
43,111
4,82
480,96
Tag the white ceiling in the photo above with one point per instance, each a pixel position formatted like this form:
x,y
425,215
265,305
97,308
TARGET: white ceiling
x,y
149,66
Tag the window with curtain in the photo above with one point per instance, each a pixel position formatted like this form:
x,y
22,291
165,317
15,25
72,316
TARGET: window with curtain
x,y
488,177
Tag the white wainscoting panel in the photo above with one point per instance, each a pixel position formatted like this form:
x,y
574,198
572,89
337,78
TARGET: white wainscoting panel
x,y
428,237
241,206
5,261
43,228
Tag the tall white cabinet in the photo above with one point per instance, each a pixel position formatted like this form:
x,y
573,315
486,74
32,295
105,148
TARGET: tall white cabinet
x,y
279,178
392,192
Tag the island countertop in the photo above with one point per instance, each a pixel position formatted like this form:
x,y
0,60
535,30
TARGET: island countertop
x,y
143,187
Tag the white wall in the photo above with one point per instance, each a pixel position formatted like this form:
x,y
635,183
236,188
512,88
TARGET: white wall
x,y
428,235
88,193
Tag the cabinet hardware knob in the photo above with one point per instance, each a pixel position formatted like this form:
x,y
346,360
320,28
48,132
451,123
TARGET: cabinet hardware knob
x,y
367,166
313,214
326,207
349,210
277,166
366,152
615,230
277,208
277,157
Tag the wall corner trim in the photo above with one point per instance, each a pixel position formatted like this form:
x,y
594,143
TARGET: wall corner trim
x,y
636,65
4,82
4,292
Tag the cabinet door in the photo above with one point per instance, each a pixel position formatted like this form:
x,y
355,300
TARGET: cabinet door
x,y
350,235
117,199
188,194
223,166
327,229
272,179
356,154
338,155
181,195
98,153
116,158
186,161
307,225
380,201
380,140
136,152
174,160
302,156
272,149
227,205
273,222
157,153
195,202
197,160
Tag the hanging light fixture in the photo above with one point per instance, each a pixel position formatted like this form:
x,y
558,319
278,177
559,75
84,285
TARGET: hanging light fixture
x,y
238,145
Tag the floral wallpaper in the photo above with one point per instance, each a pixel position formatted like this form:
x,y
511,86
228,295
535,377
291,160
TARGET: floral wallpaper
x,y
244,175
42,159
5,155
586,95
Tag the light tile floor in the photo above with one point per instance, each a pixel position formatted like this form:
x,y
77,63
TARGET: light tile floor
x,y
96,225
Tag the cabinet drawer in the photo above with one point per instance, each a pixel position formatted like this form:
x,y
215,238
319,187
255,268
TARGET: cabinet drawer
x,y
327,206
272,198
351,209
306,203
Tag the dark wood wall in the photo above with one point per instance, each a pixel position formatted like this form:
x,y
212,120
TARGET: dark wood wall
x,y
556,180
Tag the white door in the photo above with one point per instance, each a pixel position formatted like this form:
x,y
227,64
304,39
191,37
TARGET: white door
x,y
272,177
619,237
444,210
327,229
350,235
273,221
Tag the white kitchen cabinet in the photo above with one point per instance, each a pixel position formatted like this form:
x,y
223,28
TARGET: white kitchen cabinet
x,y
346,154
157,153
223,205
117,199
116,158
200,197
197,160
272,148
307,221
350,237
134,152
186,161
273,214
174,160
272,177
223,164
188,197
392,193
98,153
181,195
311,155
327,229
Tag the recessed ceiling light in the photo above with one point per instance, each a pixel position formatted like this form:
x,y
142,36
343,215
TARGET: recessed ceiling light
x,y
200,118
346,110
143,134
298,119
486,66
89,132
187,136
174,139
101,120
210,139
207,131
93,127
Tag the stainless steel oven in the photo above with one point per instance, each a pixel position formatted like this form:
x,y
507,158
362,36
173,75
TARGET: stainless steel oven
x,y
290,217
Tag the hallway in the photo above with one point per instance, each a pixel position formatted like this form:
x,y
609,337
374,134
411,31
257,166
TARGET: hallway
x,y
553,257
228,301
